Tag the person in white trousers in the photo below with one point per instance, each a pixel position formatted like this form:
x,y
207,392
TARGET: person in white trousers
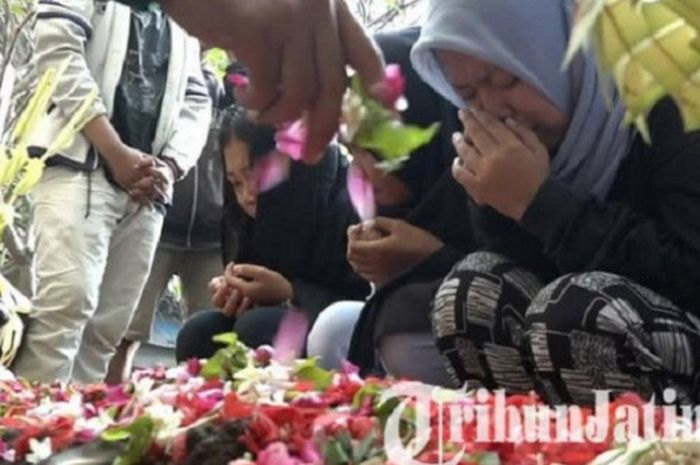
x,y
98,210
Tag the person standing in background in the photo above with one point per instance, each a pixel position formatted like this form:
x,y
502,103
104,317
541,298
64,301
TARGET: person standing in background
x,y
98,209
190,244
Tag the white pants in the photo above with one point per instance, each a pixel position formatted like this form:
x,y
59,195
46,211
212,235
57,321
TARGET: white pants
x,y
94,249
196,268
330,336
409,355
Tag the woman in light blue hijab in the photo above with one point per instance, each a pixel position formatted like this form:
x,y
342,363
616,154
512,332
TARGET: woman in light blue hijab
x,y
564,193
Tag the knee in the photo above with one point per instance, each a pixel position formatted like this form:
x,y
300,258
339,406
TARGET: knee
x,y
485,290
259,326
335,321
330,335
195,339
70,297
586,302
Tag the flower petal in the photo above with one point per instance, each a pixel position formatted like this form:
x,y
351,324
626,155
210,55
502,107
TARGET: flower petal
x,y
291,139
238,80
291,336
271,170
361,193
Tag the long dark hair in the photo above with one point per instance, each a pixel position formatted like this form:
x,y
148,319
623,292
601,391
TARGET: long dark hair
x,y
260,138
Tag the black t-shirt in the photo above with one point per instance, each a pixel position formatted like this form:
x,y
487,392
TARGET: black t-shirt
x,y
139,95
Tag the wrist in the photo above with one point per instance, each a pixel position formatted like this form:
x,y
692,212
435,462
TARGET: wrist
x,y
174,169
518,211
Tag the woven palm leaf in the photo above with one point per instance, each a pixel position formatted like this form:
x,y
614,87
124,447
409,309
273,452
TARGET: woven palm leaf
x,y
650,47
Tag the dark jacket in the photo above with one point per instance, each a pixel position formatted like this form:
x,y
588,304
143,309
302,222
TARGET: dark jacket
x,y
441,206
193,221
427,164
648,230
300,232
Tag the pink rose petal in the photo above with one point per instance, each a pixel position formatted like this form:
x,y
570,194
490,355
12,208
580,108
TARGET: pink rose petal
x,y
270,171
361,193
290,338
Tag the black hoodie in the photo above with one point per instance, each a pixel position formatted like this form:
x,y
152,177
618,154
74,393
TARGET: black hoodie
x,y
300,232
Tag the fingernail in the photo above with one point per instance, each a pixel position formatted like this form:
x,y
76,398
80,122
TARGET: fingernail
x,y
462,114
253,115
457,138
511,122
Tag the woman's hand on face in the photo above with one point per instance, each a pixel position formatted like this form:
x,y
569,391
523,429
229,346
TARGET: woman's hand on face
x,y
258,285
399,247
500,164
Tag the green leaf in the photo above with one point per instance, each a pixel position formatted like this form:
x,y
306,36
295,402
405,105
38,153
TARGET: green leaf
x,y
385,409
488,458
394,140
140,437
345,441
367,390
363,449
227,360
335,454
116,434
214,367
308,370
218,60
384,134
227,339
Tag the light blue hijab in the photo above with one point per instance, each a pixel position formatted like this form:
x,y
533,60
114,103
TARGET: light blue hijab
x,y
528,38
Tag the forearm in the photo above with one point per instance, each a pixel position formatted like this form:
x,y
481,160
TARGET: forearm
x,y
104,138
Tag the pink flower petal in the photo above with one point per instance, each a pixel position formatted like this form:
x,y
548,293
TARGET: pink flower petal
x,y
348,368
194,367
238,80
310,455
361,193
117,397
275,454
291,139
270,171
393,87
85,436
291,336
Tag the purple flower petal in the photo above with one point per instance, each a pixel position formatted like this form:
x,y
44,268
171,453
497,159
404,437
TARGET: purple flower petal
x,y
291,336
270,171
361,193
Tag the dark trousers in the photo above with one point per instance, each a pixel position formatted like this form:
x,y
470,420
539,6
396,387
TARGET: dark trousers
x,y
496,325
256,327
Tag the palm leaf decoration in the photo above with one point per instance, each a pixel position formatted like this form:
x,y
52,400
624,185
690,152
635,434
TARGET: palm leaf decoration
x,y
650,47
